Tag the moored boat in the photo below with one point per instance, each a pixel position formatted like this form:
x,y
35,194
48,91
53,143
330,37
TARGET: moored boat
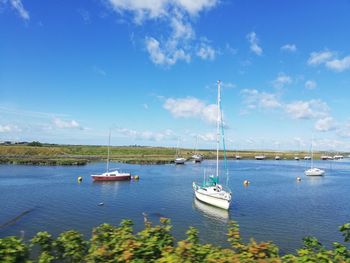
x,y
313,171
197,158
211,191
260,157
180,160
111,176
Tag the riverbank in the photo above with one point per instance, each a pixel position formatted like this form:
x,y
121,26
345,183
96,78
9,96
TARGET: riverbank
x,y
82,154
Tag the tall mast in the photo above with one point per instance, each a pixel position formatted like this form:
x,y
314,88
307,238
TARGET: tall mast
x,y
109,143
218,131
312,151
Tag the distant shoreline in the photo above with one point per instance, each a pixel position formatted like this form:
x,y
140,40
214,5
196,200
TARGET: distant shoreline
x,y
81,155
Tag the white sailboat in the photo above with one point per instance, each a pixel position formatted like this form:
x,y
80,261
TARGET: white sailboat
x,y
197,158
313,171
211,191
178,158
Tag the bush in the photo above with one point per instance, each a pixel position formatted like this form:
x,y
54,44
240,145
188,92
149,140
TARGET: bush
x,y
155,244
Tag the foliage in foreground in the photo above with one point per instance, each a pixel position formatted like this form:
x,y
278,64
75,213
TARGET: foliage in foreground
x,y
156,244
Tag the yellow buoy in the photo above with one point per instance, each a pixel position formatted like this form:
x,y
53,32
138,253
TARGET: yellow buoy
x,y
80,179
246,182
136,177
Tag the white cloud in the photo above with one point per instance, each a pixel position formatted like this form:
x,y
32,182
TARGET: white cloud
x,y
191,107
147,135
165,56
62,124
289,47
207,137
152,9
310,84
178,43
281,80
339,65
325,124
307,109
344,129
317,58
253,99
330,60
9,128
254,43
227,85
206,52
18,6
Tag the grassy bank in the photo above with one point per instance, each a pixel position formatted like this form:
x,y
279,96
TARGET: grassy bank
x,y
80,155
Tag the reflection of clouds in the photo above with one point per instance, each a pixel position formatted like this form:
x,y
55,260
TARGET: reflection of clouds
x,y
211,212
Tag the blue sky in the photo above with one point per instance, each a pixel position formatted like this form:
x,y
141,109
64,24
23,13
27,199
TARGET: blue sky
x,y
70,70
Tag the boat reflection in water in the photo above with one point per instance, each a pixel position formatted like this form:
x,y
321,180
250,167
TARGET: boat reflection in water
x,y
211,212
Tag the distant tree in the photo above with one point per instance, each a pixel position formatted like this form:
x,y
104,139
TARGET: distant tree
x,y
35,143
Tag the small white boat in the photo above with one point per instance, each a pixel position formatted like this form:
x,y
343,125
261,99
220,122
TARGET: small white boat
x,y
238,157
260,157
277,158
314,172
211,191
296,158
180,160
307,157
197,158
338,157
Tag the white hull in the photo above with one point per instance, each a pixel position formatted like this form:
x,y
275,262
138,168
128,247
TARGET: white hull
x,y
314,172
197,158
216,199
260,157
180,161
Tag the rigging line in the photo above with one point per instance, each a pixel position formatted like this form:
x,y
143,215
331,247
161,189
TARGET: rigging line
x,y
223,143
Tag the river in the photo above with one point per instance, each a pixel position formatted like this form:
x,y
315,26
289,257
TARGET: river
x,y
273,207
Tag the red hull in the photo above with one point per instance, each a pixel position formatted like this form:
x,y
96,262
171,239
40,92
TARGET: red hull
x,y
111,178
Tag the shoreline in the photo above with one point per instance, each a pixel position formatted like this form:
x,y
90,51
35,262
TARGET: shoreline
x,y
82,155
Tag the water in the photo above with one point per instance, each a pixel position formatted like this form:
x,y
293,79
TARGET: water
x,y
274,207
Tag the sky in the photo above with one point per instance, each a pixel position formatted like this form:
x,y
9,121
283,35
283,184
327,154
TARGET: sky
x,y
148,70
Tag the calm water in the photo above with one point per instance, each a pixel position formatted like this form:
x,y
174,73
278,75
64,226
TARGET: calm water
x,y
274,207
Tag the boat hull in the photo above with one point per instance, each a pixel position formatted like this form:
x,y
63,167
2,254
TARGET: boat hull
x,y
180,161
314,172
218,202
111,178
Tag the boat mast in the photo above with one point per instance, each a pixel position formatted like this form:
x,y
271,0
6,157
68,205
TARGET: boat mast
x,y
312,151
218,132
109,143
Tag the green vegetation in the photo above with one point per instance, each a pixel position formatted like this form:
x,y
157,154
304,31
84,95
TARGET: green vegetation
x,y
46,154
156,244
35,143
